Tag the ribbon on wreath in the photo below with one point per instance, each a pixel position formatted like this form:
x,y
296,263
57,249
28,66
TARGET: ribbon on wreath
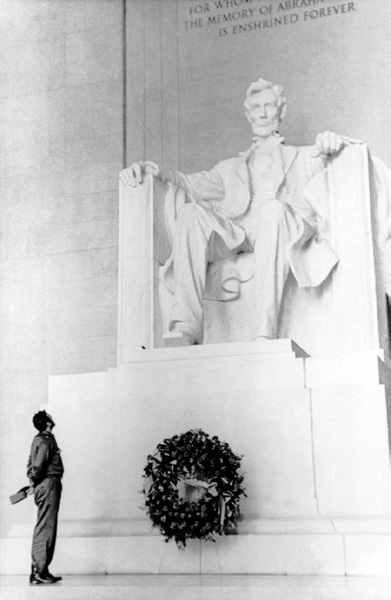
x,y
194,489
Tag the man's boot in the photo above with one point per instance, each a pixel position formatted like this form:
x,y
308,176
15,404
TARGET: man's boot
x,y
53,578
37,578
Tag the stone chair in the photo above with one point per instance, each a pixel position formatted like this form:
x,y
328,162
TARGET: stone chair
x,y
346,314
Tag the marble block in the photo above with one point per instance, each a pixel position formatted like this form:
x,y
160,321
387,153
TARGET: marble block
x,y
315,460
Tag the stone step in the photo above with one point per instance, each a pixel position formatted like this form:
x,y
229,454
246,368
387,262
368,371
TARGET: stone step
x,y
245,366
363,551
137,587
248,366
267,364
248,525
262,347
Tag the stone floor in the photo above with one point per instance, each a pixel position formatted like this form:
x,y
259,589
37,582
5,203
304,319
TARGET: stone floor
x,y
183,587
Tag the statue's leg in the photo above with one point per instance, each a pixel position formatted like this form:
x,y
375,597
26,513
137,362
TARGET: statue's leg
x,y
199,237
271,268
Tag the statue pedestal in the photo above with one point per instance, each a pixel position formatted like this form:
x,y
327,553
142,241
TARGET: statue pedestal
x,y
313,432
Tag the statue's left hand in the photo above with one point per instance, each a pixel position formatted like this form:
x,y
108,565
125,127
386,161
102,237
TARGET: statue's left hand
x,y
135,174
327,144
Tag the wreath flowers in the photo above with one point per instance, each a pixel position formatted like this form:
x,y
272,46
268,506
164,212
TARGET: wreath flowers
x,y
192,487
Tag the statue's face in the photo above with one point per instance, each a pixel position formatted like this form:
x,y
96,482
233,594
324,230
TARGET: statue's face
x,y
263,114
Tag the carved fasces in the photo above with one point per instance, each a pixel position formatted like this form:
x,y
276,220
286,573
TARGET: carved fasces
x,y
143,247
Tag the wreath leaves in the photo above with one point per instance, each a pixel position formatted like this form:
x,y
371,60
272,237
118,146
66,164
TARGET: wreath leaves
x,y
192,487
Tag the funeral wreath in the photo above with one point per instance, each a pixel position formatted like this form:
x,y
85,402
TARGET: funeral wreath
x,y
192,487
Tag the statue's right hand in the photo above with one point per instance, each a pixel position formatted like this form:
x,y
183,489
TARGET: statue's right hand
x,y
134,175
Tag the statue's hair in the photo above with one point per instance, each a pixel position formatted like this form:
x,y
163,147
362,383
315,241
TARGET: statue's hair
x,y
262,84
40,420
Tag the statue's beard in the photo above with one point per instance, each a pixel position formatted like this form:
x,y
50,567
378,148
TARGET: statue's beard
x,y
266,129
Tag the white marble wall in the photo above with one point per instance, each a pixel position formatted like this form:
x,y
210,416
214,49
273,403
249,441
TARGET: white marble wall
x,y
186,87
61,149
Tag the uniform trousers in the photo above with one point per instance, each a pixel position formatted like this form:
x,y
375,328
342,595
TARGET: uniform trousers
x,y
47,495
202,236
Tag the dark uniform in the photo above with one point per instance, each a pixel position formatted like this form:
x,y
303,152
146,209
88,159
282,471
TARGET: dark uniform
x,y
45,470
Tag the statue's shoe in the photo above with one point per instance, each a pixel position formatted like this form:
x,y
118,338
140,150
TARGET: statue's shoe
x,y
175,339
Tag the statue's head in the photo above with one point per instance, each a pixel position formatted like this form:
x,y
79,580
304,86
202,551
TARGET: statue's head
x,y
265,107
